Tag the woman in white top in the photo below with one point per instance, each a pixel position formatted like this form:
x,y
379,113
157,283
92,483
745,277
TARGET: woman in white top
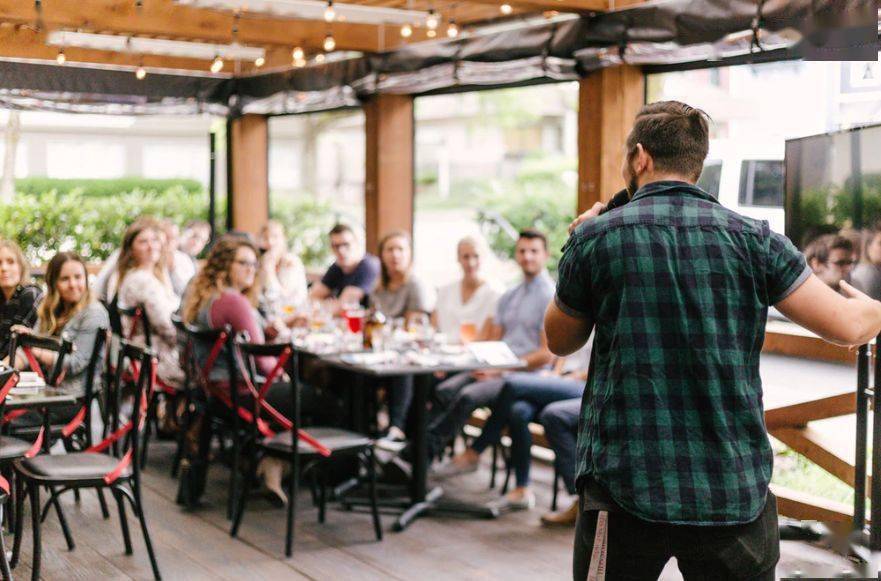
x,y
143,280
282,275
470,300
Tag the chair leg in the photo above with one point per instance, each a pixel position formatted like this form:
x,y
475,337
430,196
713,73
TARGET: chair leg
x,y
76,496
139,510
493,468
34,491
4,562
508,470
19,516
242,500
556,489
322,496
63,521
103,503
371,487
293,489
123,521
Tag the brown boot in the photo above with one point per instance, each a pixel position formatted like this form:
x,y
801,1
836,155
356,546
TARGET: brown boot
x,y
565,517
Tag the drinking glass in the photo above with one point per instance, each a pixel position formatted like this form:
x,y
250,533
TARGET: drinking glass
x,y
467,332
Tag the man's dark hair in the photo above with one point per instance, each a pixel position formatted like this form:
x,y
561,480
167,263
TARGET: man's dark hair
x,y
533,234
676,135
341,229
820,248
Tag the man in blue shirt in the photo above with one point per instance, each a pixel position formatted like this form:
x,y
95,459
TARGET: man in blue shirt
x,y
352,276
519,322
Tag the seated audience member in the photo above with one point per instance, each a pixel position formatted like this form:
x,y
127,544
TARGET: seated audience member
x,y
519,322
195,237
225,292
867,274
353,274
143,280
525,398
469,301
67,310
18,297
282,275
180,265
399,294
831,258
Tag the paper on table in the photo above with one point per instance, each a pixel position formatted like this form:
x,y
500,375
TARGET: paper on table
x,y
494,353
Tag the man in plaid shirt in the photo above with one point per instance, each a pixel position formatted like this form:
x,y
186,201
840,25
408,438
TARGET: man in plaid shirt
x,y
673,457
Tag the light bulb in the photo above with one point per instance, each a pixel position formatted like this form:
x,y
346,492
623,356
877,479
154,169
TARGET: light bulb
x,y
297,54
406,31
299,63
452,30
319,58
61,58
430,33
329,12
506,9
140,73
259,62
431,20
217,64
329,43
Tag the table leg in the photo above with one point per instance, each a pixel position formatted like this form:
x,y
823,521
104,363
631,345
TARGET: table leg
x,y
419,484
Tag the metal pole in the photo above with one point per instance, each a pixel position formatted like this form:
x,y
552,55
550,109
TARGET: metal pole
x,y
212,184
875,526
859,486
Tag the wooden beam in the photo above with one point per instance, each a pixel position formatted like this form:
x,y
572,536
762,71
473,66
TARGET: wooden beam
x,y
557,5
819,448
789,339
165,19
249,173
608,102
803,506
798,415
388,202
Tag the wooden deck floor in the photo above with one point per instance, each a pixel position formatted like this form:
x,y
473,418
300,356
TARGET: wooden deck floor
x,y
197,545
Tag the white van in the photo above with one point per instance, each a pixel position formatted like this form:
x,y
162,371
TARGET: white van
x,y
748,178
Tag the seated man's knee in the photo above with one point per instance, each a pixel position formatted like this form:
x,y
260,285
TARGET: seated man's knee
x,y
522,412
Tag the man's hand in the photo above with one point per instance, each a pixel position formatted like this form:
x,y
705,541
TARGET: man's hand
x,y
484,374
592,213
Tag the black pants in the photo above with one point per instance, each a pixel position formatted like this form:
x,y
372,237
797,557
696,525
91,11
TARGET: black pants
x,y
638,549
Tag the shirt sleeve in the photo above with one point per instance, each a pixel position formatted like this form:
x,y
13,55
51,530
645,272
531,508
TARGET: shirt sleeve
x,y
786,269
234,309
573,284
331,278
421,297
365,275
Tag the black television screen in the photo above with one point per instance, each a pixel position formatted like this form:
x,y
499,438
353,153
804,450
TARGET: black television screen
x,y
833,183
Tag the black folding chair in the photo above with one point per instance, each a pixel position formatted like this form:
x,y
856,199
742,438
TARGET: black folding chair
x,y
93,468
28,341
319,447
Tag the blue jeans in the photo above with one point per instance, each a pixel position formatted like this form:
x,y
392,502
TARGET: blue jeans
x,y
523,398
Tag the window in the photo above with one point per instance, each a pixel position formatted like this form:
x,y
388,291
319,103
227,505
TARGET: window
x,y
761,183
710,178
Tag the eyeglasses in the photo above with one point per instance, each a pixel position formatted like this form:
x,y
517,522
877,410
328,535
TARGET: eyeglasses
x,y
339,245
843,263
247,263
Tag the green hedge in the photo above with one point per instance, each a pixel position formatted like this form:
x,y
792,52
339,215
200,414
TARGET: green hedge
x,y
104,187
306,223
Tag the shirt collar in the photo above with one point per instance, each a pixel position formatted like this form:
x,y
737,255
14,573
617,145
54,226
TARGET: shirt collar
x,y
672,187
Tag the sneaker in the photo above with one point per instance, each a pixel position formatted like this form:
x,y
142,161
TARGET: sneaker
x,y
450,469
508,504
561,518
393,442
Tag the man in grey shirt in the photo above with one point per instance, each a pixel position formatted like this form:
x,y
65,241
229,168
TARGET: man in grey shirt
x,y
519,322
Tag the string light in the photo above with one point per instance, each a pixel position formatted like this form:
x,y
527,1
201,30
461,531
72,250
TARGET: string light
x,y
61,58
329,12
506,9
297,54
452,29
329,42
299,63
217,64
430,33
259,62
140,73
431,20
406,31
319,58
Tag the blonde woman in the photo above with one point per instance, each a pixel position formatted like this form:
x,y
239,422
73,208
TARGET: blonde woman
x,y
142,279
225,292
282,274
68,310
18,298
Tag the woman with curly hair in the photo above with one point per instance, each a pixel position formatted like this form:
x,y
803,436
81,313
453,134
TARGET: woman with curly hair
x,y
142,279
225,292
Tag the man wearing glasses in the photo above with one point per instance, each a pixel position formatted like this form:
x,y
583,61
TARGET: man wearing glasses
x,y
831,258
352,275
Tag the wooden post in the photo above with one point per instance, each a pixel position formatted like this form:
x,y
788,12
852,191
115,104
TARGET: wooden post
x,y
388,196
248,166
608,101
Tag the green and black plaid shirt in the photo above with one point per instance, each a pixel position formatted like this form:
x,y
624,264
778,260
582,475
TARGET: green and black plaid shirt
x,y
672,423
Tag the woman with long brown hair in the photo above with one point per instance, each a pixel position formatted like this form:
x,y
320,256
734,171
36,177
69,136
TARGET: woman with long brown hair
x,y
142,279
225,292
68,310
18,298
